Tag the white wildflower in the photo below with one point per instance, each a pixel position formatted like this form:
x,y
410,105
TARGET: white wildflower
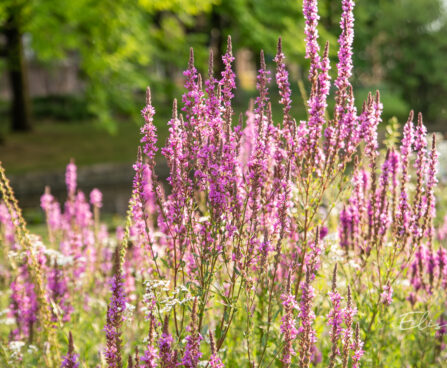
x,y
354,264
32,349
8,321
15,348
129,312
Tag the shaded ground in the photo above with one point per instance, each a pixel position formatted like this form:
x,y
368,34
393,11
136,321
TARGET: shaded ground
x,y
51,146
53,142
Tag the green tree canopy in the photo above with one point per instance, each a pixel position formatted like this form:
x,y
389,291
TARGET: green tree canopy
x,y
121,46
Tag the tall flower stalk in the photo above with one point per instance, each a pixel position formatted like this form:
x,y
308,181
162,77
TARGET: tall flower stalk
x,y
115,311
71,359
238,241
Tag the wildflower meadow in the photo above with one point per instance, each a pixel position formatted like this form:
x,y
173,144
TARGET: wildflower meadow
x,y
273,242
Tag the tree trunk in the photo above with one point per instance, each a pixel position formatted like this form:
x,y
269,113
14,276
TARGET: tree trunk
x,y
16,64
217,39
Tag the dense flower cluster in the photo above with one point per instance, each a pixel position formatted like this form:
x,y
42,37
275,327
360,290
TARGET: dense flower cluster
x,y
239,242
115,312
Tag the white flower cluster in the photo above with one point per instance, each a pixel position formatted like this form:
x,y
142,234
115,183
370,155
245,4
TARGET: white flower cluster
x,y
15,350
129,313
152,285
60,259
16,256
37,246
32,349
8,321
336,253
178,296
170,301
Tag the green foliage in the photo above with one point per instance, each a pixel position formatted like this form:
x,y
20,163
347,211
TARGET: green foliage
x,y
114,42
392,133
192,7
394,104
119,42
123,46
403,42
66,108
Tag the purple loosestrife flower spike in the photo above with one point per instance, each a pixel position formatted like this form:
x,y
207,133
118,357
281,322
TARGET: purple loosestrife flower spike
x,y
137,358
194,108
381,217
317,105
149,359
165,347
192,352
149,132
71,178
46,199
431,184
387,295
377,109
212,101
346,228
335,319
138,214
191,98
317,100
348,315
24,304
228,83
307,316
310,12
344,66
96,198
420,164
263,79
130,362
58,288
369,120
282,80
288,325
358,205
430,213
215,361
115,313
71,359
395,164
176,155
324,79
357,347
324,85
404,211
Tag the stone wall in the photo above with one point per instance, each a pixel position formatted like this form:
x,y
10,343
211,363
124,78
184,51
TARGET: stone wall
x,y
62,79
114,181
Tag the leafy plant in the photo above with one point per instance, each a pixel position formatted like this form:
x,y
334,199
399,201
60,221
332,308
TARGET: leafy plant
x,y
289,244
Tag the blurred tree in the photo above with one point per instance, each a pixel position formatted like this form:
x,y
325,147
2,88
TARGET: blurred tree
x,y
401,47
257,24
111,39
121,45
11,27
